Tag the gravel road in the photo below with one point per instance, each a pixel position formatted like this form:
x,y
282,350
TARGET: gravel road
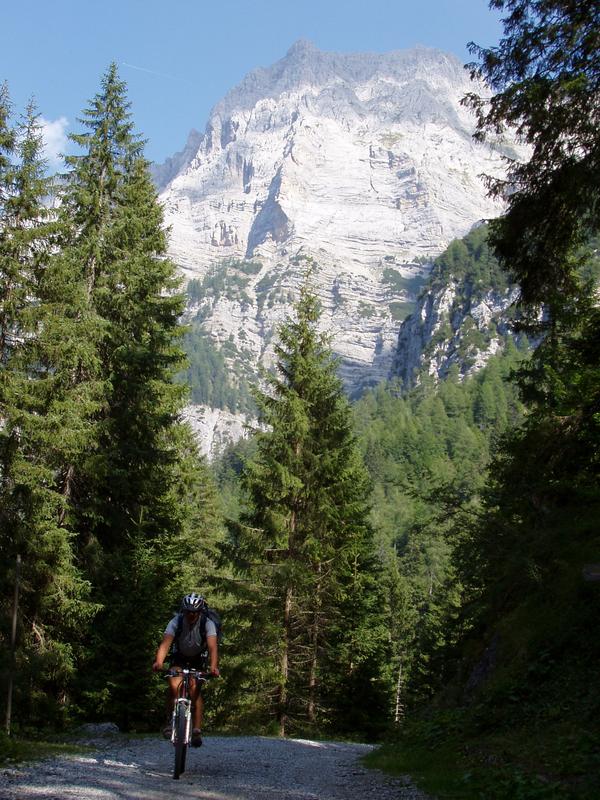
x,y
224,768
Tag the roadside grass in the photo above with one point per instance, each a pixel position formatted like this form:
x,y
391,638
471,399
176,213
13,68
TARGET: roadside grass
x,y
526,762
441,771
19,750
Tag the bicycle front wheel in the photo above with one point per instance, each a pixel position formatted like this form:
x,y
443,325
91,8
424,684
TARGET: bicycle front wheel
x,y
180,742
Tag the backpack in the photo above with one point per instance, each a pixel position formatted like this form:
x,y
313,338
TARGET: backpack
x,y
208,613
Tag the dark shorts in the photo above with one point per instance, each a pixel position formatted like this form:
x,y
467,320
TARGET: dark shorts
x,y
191,662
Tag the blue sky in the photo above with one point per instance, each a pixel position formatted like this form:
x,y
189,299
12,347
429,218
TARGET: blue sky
x,y
180,57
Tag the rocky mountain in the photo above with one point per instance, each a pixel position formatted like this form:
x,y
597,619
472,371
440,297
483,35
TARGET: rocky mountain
x,y
364,163
463,316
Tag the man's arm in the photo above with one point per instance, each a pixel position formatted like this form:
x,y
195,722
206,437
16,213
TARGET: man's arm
x,y
162,652
213,654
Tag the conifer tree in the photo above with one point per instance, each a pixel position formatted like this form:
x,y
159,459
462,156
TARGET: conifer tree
x,y
545,77
96,176
7,147
427,453
303,550
39,431
136,298
97,473
520,558
7,137
546,71
128,504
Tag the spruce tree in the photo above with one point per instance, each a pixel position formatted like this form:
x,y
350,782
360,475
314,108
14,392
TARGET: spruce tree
x,y
303,550
96,176
7,148
545,77
131,504
40,435
546,72
103,491
428,454
136,298
520,558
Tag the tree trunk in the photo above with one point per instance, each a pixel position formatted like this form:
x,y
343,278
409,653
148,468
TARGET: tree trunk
x,y
314,657
284,669
284,663
399,710
67,490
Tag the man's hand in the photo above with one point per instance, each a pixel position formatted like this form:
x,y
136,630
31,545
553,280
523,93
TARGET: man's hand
x,y
157,666
215,671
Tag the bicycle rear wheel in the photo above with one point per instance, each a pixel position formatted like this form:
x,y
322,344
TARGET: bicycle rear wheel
x,y
180,742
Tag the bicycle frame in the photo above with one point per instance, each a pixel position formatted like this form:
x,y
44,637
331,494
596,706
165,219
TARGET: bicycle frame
x,y
181,721
183,705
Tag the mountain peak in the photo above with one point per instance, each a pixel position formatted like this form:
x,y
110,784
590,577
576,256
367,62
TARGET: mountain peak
x,y
302,48
362,161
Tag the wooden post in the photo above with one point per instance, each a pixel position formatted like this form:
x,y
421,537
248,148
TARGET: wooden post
x,y
13,641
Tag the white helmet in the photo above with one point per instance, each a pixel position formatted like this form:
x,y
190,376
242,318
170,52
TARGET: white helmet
x,y
193,602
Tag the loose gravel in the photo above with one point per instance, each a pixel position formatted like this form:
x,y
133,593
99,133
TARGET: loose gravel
x,y
224,768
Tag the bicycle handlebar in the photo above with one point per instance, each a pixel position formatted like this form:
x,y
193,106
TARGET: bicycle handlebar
x,y
174,672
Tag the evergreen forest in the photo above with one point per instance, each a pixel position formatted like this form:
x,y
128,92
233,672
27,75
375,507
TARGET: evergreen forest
x,y
419,567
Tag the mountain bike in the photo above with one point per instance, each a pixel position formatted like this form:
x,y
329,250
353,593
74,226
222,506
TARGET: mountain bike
x,y
181,720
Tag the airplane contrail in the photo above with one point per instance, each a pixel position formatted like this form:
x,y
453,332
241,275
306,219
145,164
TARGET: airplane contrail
x,y
150,71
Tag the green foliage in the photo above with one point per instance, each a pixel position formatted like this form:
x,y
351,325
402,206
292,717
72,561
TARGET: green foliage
x,y
469,272
544,74
536,522
263,289
42,430
102,491
472,263
219,376
247,267
428,454
448,579
401,310
399,284
227,469
227,278
366,310
15,751
135,513
447,758
519,671
209,376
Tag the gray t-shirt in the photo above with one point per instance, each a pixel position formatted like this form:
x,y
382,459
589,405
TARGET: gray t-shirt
x,y
190,640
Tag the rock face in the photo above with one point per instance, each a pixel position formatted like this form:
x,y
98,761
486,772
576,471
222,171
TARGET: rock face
x,y
465,315
451,328
215,428
363,162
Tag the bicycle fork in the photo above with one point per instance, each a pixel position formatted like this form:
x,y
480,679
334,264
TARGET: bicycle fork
x,y
183,706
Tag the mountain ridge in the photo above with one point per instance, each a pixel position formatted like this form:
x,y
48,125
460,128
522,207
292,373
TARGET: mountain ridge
x,y
258,84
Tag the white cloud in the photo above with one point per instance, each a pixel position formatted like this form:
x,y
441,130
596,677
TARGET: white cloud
x,y
55,139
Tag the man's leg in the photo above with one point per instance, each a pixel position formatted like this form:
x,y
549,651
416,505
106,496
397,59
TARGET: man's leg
x,y
197,714
172,692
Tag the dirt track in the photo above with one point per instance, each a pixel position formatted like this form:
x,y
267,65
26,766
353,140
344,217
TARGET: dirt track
x,y
225,768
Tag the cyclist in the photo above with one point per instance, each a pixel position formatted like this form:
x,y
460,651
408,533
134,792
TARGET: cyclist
x,y
193,637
